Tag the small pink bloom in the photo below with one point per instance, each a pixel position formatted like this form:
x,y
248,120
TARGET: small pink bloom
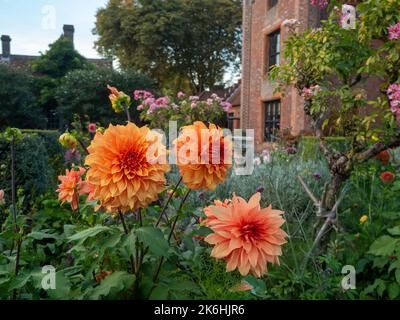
x,y
394,32
181,94
92,127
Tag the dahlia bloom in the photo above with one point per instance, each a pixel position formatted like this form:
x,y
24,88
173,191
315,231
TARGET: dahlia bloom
x,y
127,167
2,200
204,156
72,186
119,100
245,235
387,177
394,32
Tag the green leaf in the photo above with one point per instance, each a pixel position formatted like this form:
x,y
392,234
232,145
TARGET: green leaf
x,y
160,293
154,239
394,231
397,275
383,246
393,290
37,235
114,283
89,233
63,287
20,281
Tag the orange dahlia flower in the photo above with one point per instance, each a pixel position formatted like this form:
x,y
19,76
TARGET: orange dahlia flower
x,y
245,235
204,156
127,167
72,186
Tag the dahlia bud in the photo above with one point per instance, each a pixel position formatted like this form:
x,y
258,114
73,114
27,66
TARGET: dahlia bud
x,y
67,140
119,100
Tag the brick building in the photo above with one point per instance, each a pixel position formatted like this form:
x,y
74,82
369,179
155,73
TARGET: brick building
x,y
263,37
24,61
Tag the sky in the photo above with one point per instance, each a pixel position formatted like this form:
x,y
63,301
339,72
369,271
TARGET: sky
x,y
34,24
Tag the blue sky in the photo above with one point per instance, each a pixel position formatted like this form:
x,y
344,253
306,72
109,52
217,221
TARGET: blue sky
x,y
34,24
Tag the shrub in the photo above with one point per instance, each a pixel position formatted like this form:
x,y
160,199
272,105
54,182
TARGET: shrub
x,y
84,92
310,150
18,107
39,160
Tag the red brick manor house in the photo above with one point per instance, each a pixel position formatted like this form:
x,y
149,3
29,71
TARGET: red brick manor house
x,y
263,39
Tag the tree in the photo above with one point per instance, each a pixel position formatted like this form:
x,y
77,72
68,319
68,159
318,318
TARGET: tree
x,y
328,66
84,92
176,42
18,107
51,67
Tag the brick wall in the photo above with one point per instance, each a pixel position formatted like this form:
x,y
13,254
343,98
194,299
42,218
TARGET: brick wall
x,y
259,20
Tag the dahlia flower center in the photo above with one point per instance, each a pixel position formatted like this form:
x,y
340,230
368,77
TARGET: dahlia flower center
x,y
251,231
131,160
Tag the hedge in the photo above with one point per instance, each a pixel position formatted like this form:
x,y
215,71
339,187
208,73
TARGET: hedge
x,y
39,159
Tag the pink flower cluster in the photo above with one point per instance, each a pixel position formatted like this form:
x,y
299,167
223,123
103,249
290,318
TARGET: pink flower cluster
x,y
227,106
291,24
154,104
394,98
142,95
309,93
322,3
394,32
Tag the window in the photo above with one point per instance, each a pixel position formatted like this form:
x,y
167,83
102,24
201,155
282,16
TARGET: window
x,y
272,119
274,49
272,3
233,122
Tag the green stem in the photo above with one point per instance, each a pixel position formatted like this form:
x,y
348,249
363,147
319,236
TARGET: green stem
x,y
167,204
126,230
171,233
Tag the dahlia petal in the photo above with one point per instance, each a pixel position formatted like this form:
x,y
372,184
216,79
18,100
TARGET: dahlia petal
x,y
214,238
221,250
232,261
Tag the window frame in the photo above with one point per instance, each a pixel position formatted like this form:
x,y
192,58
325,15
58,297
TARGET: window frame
x,y
272,3
274,49
272,118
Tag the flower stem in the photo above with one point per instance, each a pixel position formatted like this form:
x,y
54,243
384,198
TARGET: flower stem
x,y
167,203
126,230
171,233
128,115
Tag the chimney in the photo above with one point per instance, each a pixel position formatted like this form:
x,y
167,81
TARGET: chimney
x,y
69,32
5,44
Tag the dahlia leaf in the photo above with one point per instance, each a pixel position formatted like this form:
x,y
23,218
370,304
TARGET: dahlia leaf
x,y
88,233
154,239
384,246
112,284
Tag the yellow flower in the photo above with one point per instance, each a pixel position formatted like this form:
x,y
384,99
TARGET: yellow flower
x,y
67,140
363,219
125,173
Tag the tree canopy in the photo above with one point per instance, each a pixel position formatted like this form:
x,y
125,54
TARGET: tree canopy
x,y
178,42
18,107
